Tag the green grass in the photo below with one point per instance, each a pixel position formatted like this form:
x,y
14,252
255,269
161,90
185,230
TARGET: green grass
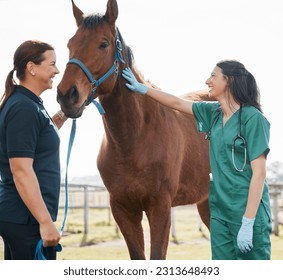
x,y
104,241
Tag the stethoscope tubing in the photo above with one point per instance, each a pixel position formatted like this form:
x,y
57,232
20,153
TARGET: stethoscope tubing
x,y
236,138
241,138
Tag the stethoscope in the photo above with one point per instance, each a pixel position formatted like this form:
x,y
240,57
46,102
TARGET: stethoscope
x,y
238,137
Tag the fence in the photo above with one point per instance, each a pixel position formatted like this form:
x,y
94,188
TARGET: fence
x,y
89,196
86,197
276,197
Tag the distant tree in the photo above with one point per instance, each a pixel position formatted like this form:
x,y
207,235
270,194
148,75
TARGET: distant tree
x,y
275,172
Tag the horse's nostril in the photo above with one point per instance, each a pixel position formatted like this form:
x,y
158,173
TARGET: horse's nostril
x,y
59,94
73,94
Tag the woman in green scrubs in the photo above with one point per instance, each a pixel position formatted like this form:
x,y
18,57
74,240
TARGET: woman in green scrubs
x,y
240,223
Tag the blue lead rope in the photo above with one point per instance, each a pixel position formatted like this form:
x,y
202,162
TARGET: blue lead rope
x,y
39,254
98,106
71,141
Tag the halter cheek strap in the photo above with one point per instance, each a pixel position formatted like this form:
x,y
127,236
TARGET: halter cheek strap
x,y
95,83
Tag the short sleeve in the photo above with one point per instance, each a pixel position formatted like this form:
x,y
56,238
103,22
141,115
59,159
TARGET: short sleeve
x,y
204,113
258,134
22,131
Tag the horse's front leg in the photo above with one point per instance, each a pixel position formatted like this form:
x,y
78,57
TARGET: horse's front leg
x,y
159,217
129,222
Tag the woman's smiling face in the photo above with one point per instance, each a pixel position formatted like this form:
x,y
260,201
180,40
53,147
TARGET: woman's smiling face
x,y
217,83
46,70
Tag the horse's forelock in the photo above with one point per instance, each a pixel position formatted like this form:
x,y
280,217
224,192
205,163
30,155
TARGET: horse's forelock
x,y
91,21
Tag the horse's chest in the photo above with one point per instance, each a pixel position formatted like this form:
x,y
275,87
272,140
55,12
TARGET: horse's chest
x,y
131,189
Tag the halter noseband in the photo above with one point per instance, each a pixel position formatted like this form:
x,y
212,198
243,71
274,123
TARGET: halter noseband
x,y
95,83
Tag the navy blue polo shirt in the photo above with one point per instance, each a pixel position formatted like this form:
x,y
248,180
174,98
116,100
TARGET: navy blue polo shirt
x,y
26,130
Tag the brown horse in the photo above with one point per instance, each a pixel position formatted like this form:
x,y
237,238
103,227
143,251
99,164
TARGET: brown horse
x,y
152,158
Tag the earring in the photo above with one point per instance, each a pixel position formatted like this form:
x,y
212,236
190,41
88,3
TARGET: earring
x,y
32,73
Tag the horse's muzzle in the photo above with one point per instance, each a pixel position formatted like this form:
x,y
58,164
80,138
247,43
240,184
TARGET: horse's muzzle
x,y
68,102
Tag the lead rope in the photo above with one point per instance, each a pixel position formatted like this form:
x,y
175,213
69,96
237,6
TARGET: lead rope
x,y
71,141
39,254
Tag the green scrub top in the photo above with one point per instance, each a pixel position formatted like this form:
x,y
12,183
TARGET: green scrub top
x,y
229,188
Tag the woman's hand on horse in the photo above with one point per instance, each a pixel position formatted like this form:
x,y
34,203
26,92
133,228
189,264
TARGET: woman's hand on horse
x,y
133,84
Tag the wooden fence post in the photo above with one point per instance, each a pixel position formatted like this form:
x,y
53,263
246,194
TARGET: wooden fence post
x,y
85,209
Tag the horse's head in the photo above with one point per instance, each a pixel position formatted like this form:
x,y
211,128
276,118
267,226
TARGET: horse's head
x,y
95,54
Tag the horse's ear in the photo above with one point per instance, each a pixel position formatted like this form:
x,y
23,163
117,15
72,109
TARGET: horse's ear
x,y
78,14
111,12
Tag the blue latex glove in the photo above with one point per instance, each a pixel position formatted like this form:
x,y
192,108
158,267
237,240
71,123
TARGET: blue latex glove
x,y
133,84
245,235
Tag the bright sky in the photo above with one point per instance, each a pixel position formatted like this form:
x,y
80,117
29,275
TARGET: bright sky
x,y
176,44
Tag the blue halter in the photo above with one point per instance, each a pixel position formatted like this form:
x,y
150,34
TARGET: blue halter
x,y
95,83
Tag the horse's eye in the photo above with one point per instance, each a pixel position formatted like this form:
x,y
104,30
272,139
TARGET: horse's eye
x,y
104,45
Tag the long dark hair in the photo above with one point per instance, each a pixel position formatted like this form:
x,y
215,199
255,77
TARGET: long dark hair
x,y
28,51
241,83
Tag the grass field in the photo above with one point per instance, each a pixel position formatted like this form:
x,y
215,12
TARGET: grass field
x,y
104,241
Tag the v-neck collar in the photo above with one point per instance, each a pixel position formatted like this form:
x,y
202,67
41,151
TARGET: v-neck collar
x,y
231,117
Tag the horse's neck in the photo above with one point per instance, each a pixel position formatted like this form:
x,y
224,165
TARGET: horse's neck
x,y
125,116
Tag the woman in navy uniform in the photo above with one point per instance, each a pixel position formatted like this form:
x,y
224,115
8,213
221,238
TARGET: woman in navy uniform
x,y
29,155
240,223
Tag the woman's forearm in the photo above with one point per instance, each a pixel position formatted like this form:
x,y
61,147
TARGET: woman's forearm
x,y
256,187
28,188
171,101
59,119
